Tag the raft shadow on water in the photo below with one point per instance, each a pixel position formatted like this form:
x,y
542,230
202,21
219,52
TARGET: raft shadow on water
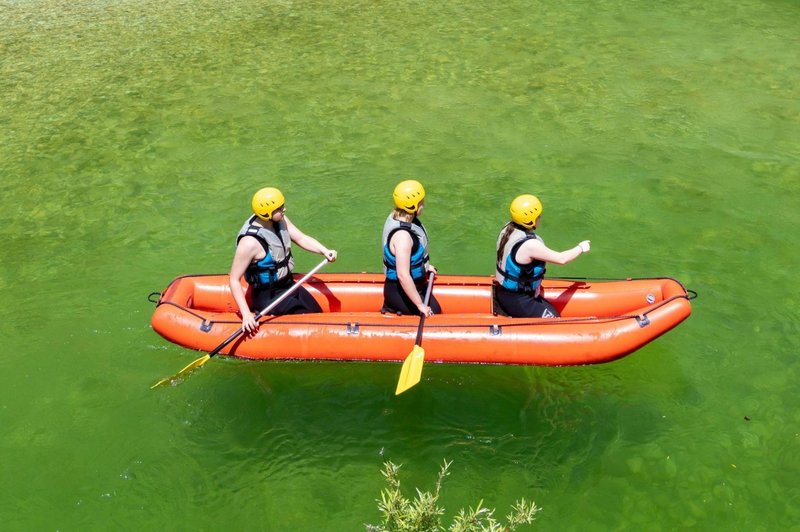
x,y
551,425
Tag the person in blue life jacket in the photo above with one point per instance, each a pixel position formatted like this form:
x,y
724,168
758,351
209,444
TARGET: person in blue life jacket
x,y
522,257
405,254
264,258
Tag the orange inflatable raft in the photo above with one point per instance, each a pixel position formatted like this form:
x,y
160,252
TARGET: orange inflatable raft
x,y
601,320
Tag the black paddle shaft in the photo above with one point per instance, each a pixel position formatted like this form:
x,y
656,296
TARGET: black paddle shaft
x,y
418,341
271,306
230,339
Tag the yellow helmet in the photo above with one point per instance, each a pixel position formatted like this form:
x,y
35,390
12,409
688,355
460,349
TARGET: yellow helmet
x,y
408,195
525,210
266,201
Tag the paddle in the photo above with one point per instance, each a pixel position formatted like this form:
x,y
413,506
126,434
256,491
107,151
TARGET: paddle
x,y
205,358
411,372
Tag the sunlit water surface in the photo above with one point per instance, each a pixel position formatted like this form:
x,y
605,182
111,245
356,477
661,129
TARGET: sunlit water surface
x,y
134,133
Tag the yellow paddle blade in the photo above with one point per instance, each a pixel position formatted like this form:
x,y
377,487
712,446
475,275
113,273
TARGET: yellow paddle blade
x,y
196,364
411,371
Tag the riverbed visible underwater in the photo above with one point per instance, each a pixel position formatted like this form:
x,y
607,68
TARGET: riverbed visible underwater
x,y
134,133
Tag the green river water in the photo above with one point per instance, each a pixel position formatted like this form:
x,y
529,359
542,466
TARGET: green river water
x,y
133,134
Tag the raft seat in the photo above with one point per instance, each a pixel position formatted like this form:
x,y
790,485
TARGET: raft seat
x,y
211,297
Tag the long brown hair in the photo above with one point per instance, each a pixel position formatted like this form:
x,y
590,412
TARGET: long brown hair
x,y
507,230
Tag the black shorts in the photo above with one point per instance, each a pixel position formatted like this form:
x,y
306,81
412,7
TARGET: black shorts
x,y
522,305
396,301
299,302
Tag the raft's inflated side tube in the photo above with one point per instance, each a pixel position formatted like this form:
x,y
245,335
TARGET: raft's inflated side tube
x,y
601,320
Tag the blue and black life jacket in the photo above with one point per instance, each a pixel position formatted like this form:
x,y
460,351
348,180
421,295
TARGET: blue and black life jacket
x,y
512,275
419,249
277,265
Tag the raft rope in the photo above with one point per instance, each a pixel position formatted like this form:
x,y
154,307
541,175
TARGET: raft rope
x,y
275,320
207,324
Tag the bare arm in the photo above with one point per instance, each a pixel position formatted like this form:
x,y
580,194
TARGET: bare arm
x,y
246,251
308,243
401,245
537,250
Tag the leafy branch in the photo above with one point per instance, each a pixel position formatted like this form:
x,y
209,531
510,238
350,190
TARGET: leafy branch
x,y
423,514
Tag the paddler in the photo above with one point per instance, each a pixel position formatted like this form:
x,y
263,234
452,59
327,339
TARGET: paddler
x,y
405,254
521,260
264,258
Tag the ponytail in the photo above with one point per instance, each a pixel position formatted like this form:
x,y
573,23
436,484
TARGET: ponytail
x,y
504,236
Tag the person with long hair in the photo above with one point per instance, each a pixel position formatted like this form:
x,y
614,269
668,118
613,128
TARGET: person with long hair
x,y
405,254
264,258
522,257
